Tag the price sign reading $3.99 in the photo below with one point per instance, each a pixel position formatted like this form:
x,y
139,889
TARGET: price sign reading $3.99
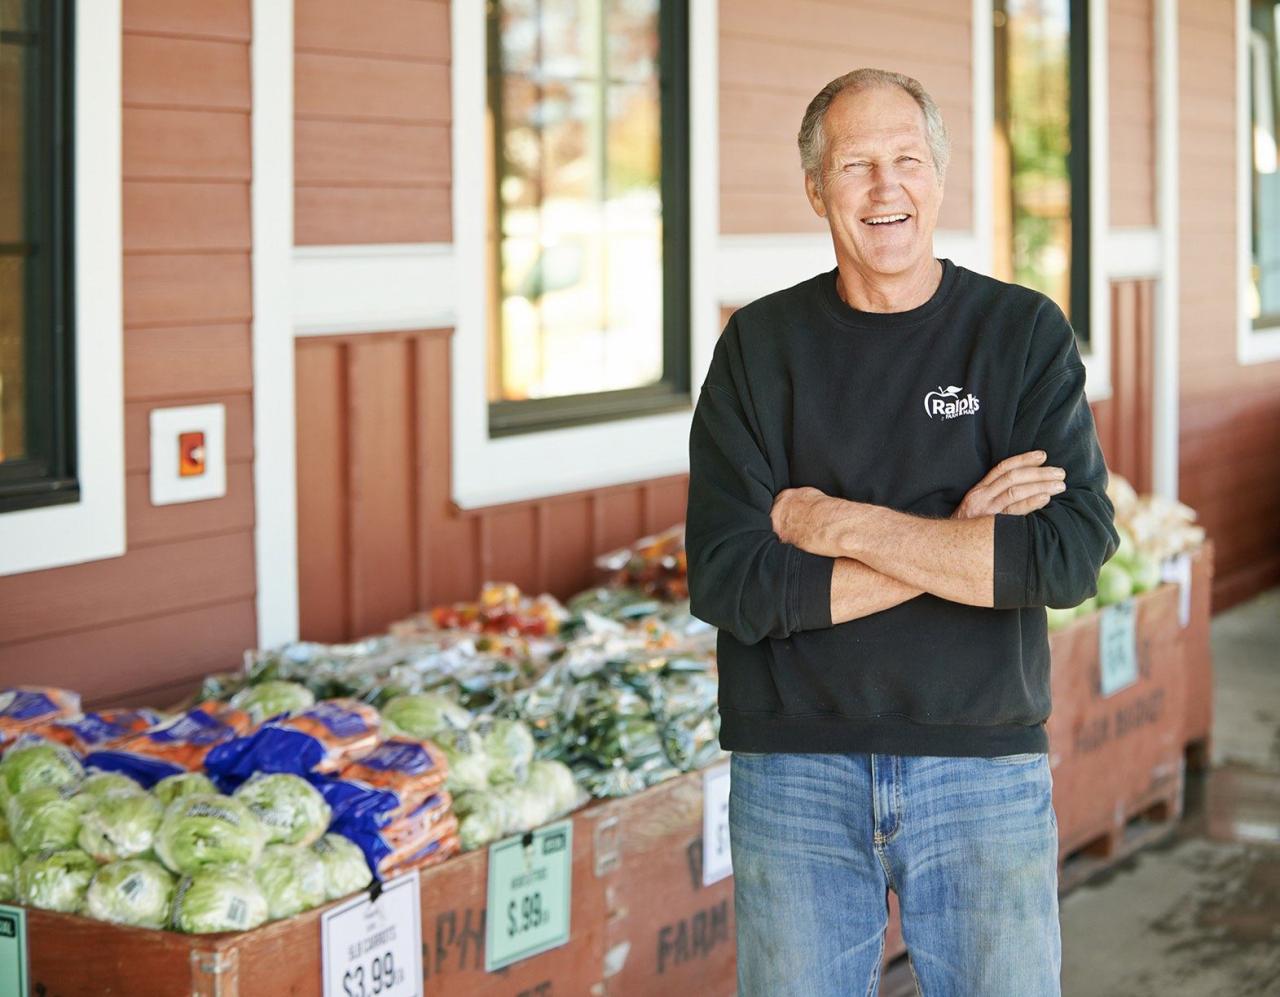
x,y
373,948
530,886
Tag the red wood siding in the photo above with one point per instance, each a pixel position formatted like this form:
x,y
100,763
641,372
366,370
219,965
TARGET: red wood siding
x,y
775,56
371,122
180,602
1125,420
1229,427
1132,106
378,534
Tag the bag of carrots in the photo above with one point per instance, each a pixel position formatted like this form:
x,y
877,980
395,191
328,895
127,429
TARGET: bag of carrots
x,y
412,769
25,707
175,746
103,729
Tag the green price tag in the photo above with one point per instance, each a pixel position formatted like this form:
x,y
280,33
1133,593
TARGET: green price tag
x,y
13,950
530,886
1117,647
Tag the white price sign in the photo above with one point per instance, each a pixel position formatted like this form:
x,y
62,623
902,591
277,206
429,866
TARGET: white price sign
x,y
716,860
373,948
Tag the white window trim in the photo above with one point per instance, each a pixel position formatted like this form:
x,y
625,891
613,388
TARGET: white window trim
x,y
94,528
532,465
1252,345
1167,332
1097,359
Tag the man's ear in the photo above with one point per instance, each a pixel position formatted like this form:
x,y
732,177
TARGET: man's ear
x,y
815,199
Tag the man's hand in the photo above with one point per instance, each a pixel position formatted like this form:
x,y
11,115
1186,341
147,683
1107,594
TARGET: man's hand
x,y
800,517
1016,486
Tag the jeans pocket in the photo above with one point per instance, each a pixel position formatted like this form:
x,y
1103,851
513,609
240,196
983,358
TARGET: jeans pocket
x,y
1025,758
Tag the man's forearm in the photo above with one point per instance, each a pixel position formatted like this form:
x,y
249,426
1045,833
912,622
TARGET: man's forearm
x,y
950,558
858,590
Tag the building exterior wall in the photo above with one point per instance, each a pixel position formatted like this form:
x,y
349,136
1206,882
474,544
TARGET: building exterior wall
x,y
1131,72
180,602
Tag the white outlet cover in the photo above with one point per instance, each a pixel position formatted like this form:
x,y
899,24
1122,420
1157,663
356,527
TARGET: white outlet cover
x,y
167,486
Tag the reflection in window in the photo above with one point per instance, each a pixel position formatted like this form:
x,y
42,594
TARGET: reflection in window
x,y
578,198
1040,150
1264,77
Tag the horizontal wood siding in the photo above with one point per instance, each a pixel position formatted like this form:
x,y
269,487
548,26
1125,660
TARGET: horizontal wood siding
x,y
775,56
180,602
1132,128
372,111
1229,426
378,534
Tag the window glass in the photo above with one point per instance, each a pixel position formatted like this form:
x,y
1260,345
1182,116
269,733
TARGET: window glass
x,y
1264,77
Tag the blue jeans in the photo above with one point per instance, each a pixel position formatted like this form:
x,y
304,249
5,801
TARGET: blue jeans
x,y
969,845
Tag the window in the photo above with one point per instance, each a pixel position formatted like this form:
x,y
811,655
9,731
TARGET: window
x,y
1041,150
37,435
1264,96
589,248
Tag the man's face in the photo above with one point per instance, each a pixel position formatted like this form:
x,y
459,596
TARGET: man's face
x,y
877,165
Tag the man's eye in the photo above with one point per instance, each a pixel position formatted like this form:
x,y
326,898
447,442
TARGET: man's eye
x,y
909,160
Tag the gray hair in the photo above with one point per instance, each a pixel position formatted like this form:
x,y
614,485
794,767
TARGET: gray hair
x,y
812,139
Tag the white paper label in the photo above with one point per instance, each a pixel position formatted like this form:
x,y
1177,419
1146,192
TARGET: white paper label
x,y
373,948
1178,569
716,860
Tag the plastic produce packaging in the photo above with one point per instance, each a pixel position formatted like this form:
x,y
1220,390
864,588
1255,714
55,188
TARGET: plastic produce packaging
x,y
345,868
175,787
99,784
292,879
134,891
218,898
272,698
24,707
95,731
412,769
425,715
290,809
55,880
10,857
120,825
206,830
180,745
43,818
509,747
31,762
320,739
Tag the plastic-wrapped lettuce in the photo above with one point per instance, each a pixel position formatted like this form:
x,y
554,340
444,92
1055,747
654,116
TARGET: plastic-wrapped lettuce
x,y
4,827
219,898
271,698
509,745
120,825
208,830
291,810
554,781
9,859
175,787
42,819
425,715
55,880
529,808
31,762
131,891
468,763
99,784
345,868
291,878
482,817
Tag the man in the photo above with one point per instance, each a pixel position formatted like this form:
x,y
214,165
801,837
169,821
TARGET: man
x,y
893,470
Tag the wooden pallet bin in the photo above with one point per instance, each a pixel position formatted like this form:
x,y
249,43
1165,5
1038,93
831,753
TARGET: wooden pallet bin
x,y
1197,663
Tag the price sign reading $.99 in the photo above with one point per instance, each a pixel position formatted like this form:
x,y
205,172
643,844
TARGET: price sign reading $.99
x,y
373,948
530,886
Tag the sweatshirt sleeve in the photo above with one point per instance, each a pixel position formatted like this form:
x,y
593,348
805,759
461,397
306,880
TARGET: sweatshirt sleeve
x,y
1052,557
742,578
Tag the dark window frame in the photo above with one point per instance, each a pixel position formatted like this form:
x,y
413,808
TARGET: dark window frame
x,y
671,392
47,474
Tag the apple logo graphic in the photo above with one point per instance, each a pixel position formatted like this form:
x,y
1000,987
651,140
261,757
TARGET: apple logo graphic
x,y
935,401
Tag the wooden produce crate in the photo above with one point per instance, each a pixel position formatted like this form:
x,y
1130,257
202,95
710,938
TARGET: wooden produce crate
x,y
1197,663
1117,760
72,956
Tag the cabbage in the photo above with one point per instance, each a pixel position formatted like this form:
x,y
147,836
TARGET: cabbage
x,y
120,825
468,763
269,699
1059,618
509,745
345,868
219,898
1114,584
290,808
131,891
175,787
42,819
99,784
482,818
32,762
9,859
205,830
55,880
554,781
291,878
425,715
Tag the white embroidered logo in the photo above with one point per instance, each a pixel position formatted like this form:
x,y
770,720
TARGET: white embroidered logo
x,y
946,403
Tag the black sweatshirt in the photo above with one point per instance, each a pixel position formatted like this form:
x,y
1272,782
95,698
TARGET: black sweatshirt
x,y
906,410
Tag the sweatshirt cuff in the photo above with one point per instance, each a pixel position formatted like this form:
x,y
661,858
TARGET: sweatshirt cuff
x,y
1010,561
811,590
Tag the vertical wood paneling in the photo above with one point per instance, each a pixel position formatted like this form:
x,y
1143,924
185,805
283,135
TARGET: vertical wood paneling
x,y
1125,419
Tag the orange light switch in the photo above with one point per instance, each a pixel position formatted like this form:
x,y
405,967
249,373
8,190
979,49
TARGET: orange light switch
x,y
190,454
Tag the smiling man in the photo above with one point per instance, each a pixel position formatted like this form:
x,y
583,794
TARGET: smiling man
x,y
893,470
